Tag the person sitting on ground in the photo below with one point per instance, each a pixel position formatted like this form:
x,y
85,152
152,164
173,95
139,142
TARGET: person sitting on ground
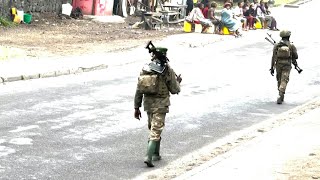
x,y
238,14
228,21
249,14
255,4
201,6
196,16
205,10
272,23
211,15
261,15
205,2
246,5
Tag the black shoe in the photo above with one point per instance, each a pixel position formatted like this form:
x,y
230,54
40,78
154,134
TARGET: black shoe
x,y
279,100
149,163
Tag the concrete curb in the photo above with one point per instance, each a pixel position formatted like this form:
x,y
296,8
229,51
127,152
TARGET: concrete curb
x,y
300,110
296,5
291,6
57,73
188,43
306,1
202,159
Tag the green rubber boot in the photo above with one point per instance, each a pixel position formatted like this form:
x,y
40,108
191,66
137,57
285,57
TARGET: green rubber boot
x,y
156,155
150,152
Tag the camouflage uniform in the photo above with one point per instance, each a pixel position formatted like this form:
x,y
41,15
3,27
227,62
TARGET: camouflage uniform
x,y
283,65
157,105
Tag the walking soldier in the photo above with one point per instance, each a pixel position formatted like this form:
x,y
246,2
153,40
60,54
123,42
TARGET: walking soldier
x,y
284,54
155,83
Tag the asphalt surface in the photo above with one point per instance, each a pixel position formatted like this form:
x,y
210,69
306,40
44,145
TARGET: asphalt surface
x,y
82,126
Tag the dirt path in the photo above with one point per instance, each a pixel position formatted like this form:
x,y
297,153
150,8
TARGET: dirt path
x,y
51,36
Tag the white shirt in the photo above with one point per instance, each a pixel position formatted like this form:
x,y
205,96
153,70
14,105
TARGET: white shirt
x,y
259,12
237,11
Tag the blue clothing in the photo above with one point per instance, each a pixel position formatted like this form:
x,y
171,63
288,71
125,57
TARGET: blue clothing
x,y
228,20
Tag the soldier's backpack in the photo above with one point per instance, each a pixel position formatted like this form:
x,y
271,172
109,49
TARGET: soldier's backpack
x,y
148,84
283,51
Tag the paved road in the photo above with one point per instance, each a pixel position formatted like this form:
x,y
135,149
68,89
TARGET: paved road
x,y
82,126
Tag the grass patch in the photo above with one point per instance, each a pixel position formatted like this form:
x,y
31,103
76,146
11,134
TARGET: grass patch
x,y
6,23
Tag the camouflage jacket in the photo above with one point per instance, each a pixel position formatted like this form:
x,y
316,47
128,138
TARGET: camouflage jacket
x,y
293,58
159,102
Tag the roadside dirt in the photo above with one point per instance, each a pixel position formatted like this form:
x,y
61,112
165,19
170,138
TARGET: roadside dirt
x,y
304,167
49,35
295,168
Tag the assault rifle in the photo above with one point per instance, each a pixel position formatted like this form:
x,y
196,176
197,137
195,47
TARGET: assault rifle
x,y
273,42
160,56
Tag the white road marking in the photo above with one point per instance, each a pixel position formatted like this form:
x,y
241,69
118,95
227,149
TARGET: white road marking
x,y
21,141
21,128
4,151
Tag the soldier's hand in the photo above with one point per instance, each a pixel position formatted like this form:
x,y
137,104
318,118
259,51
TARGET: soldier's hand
x,y
272,71
137,113
179,78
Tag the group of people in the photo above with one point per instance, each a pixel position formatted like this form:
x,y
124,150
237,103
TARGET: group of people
x,y
243,17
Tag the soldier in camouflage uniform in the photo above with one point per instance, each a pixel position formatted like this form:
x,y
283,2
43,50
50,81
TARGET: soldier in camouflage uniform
x,y
283,65
157,105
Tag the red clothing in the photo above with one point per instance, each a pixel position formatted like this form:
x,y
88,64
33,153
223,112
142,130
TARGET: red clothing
x,y
205,12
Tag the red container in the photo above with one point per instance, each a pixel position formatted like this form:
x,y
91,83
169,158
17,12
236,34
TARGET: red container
x,y
85,5
103,7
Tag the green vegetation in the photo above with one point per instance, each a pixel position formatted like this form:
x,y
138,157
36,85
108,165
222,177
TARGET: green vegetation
x,y
5,22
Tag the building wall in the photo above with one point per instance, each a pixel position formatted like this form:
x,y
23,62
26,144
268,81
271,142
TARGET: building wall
x,y
31,5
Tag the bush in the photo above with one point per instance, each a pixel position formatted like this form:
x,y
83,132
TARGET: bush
x,y
5,22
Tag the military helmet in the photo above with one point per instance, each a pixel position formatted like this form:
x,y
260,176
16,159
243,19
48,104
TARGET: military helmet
x,y
285,33
161,50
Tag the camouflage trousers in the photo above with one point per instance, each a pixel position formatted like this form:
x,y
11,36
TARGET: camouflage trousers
x,y
156,125
283,73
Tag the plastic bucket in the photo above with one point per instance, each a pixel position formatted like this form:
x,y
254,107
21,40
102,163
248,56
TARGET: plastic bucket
x,y
258,25
16,19
27,18
187,26
197,28
225,30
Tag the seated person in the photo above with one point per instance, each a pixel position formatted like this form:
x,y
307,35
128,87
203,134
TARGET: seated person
x,y
238,14
205,10
246,5
228,20
272,23
249,14
196,16
214,19
261,14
